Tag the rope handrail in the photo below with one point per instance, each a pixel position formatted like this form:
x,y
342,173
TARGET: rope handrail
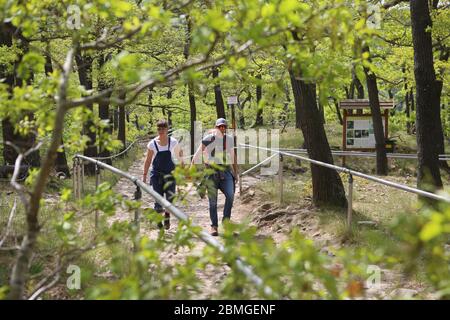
x,y
123,151
442,157
180,215
359,174
257,165
141,138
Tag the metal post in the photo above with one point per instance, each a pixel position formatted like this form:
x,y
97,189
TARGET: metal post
x,y
82,178
137,196
280,178
74,177
97,181
77,178
350,203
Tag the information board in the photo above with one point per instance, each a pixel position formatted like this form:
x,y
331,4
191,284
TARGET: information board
x,y
359,132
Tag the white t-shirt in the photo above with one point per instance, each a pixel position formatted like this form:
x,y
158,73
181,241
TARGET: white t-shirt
x,y
173,143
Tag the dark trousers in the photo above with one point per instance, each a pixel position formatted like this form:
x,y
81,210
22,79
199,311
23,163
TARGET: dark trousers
x,y
226,185
165,185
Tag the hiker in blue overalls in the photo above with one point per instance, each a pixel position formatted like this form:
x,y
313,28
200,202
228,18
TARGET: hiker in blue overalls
x,y
160,157
220,154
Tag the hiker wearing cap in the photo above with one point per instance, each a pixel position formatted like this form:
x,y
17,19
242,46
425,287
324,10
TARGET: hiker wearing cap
x,y
160,151
220,156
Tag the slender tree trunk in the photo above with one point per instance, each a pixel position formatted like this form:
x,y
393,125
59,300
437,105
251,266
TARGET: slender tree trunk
x,y
358,85
241,106
327,185
428,113
321,112
121,134
150,108
407,102
374,102
191,94
116,118
193,115
84,65
61,159
136,122
103,106
259,109
220,106
443,56
284,114
338,112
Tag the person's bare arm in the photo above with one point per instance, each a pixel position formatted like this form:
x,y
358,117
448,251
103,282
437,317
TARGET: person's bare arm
x,y
179,154
148,162
200,150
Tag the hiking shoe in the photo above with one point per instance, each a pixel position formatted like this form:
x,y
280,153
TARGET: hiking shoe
x,y
167,221
214,231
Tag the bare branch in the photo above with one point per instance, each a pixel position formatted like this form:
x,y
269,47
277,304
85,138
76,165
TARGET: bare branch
x,y
169,107
101,43
167,76
21,191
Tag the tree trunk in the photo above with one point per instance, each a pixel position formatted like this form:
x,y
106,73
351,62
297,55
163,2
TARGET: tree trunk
x,y
150,108
136,122
355,84
321,112
220,107
191,94
259,109
284,115
103,106
169,118
116,118
407,102
9,78
327,185
61,159
408,112
443,56
84,65
241,106
121,134
428,113
374,102
338,112
193,115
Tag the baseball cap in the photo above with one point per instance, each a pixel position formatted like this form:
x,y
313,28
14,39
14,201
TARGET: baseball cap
x,y
221,122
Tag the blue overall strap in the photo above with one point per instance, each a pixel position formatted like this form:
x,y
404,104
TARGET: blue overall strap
x,y
156,145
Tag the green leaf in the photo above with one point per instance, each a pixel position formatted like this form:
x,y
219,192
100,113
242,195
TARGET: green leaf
x,y
287,6
431,230
268,10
